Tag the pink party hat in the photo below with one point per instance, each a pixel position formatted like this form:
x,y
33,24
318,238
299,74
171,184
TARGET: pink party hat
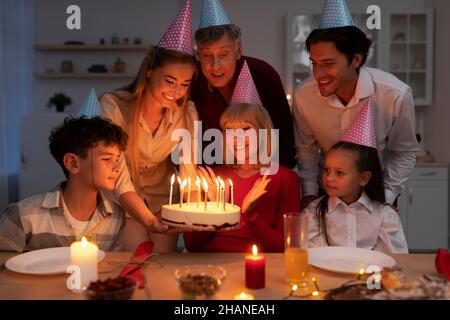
x,y
362,129
178,36
245,90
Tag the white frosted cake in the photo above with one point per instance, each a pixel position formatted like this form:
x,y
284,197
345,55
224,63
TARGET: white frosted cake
x,y
197,218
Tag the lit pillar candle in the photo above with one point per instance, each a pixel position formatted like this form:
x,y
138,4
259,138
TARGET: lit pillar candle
x,y
182,185
197,183
172,180
84,255
205,186
231,192
189,190
255,270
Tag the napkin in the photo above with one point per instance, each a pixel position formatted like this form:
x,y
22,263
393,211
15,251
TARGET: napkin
x,y
442,262
133,270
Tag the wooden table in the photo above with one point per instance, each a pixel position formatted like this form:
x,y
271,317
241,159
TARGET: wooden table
x,y
161,283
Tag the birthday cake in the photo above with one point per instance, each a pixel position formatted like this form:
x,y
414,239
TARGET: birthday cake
x,y
196,217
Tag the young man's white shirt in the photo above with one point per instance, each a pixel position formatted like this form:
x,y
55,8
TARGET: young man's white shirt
x,y
320,121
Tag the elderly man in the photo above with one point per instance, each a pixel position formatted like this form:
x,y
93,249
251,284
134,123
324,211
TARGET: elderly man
x,y
219,51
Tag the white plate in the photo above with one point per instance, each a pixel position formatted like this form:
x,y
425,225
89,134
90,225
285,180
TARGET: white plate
x,y
347,260
44,262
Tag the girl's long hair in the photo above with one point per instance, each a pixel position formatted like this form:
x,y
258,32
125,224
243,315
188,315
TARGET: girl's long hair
x,y
135,92
367,160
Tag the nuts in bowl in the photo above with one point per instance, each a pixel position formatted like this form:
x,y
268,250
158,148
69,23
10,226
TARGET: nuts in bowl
x,y
200,282
119,288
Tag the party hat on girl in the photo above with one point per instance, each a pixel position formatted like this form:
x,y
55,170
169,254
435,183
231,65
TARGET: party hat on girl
x,y
90,107
335,14
178,36
245,90
213,14
362,130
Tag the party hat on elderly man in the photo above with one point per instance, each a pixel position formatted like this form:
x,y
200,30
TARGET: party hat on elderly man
x,y
362,130
245,90
335,14
178,36
90,107
213,14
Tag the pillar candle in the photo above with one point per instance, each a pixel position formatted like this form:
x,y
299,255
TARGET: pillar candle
x,y
255,270
84,255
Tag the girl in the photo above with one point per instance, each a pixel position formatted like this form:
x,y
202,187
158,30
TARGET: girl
x,y
149,110
353,213
263,199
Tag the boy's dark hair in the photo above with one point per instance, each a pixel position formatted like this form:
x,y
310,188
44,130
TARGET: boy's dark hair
x,y
212,33
78,135
367,160
348,40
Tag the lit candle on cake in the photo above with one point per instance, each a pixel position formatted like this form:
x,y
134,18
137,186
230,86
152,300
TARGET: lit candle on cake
x,y
222,187
231,191
172,180
189,190
255,270
182,185
84,255
217,192
179,185
205,186
197,183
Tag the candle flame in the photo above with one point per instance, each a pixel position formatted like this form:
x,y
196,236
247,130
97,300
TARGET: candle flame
x,y
294,287
183,184
315,293
361,271
189,181
179,180
197,182
230,182
243,295
255,250
222,184
84,242
205,184
313,279
172,180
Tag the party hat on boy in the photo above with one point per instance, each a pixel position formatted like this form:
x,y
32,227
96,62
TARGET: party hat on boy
x,y
335,14
90,107
362,129
213,14
245,90
178,36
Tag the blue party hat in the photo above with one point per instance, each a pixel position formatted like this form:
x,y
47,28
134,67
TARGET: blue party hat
x,y
335,14
90,107
213,14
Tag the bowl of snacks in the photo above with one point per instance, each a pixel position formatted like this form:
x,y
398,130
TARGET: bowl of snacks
x,y
200,282
119,288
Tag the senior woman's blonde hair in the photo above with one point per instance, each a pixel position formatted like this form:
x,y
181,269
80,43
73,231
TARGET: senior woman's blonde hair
x,y
247,113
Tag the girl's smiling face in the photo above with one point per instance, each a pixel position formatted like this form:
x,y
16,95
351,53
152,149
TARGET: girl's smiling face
x,y
341,176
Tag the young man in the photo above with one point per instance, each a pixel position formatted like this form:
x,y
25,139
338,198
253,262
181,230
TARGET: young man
x,y
325,106
88,151
219,51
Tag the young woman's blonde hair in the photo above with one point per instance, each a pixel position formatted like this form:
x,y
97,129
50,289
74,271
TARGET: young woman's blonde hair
x,y
247,113
155,58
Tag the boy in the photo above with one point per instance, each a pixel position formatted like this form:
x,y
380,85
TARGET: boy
x,y
88,151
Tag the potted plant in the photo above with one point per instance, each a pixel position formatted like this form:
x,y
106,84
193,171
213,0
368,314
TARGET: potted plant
x,y
60,101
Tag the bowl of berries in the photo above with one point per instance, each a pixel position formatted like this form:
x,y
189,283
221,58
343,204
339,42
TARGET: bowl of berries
x,y
119,288
200,282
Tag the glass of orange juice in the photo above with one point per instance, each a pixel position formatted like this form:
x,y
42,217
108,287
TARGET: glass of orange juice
x,y
296,230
